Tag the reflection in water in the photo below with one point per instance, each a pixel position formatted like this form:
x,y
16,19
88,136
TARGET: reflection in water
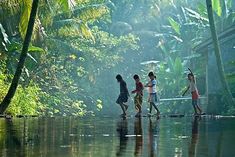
x,y
122,129
91,137
13,142
152,142
194,139
138,136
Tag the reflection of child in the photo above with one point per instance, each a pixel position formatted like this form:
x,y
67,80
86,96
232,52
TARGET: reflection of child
x,y
139,94
195,95
152,84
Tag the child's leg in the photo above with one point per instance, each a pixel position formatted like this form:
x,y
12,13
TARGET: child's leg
x,y
149,97
199,109
139,104
150,108
195,110
194,103
136,103
123,108
139,107
154,105
125,105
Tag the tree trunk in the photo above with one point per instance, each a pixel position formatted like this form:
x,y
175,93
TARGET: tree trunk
x,y
229,97
6,101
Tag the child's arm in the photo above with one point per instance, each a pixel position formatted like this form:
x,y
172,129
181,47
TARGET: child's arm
x,y
134,91
127,91
185,91
138,89
141,88
149,84
190,71
192,75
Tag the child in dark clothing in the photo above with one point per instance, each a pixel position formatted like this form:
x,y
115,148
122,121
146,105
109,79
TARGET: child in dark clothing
x,y
139,95
124,94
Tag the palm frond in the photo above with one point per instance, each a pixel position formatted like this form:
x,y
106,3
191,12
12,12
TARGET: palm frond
x,y
24,18
3,37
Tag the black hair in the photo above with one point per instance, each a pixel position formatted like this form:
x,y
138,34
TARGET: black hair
x,y
119,77
150,74
135,77
190,74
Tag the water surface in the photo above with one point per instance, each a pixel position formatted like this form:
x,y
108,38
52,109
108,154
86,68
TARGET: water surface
x,y
114,136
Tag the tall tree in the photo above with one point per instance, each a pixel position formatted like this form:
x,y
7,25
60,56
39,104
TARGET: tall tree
x,y
6,101
229,97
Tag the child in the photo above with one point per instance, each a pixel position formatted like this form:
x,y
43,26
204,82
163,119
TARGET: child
x,y
139,95
195,96
124,94
150,90
152,84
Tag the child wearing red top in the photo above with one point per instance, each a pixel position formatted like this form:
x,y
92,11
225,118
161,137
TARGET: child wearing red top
x,y
138,99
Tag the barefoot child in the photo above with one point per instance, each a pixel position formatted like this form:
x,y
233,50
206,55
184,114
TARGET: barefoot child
x,y
139,95
124,94
152,84
195,96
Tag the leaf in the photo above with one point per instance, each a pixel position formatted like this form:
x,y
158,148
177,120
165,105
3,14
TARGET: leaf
x,y
4,36
35,49
86,32
26,71
90,12
24,18
66,22
176,38
217,7
229,3
175,25
30,56
67,5
196,15
178,66
202,10
15,46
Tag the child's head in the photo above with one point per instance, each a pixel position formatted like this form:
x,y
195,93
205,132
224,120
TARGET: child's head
x,y
190,76
119,78
151,75
136,78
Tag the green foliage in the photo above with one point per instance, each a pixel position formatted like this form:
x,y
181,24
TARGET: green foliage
x,y
26,100
174,25
216,5
67,4
24,18
3,37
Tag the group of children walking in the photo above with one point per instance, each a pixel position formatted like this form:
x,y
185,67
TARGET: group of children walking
x,y
153,98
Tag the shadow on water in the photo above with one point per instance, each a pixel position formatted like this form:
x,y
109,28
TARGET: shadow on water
x,y
138,136
13,143
194,138
153,134
122,129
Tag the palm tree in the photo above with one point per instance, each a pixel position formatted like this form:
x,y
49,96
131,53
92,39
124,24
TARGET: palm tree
x,y
6,101
218,54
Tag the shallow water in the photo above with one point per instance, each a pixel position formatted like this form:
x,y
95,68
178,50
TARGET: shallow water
x,y
108,137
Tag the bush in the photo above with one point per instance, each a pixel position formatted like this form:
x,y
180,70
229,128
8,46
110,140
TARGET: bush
x,y
26,100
